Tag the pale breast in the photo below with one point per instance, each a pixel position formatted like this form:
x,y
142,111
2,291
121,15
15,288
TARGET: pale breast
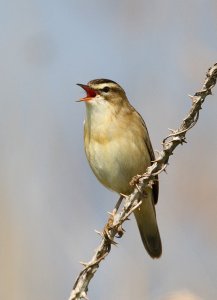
x,y
115,160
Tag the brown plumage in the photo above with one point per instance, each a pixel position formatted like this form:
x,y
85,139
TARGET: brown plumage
x,y
118,147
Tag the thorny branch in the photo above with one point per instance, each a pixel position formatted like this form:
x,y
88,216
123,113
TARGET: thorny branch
x,y
131,202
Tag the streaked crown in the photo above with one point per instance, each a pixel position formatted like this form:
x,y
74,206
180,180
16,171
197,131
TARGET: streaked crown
x,y
108,89
101,83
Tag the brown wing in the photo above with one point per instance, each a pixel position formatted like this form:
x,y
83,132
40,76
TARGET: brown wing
x,y
152,156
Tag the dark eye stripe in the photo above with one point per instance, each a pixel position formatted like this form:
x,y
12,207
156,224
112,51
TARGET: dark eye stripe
x,y
106,89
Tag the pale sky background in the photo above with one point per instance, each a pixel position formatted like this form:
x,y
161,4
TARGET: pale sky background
x,y
50,202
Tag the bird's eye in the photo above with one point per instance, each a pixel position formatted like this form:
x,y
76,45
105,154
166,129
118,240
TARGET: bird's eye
x,y
106,89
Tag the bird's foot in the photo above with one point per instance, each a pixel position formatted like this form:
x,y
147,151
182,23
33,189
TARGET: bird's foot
x,y
109,227
120,231
135,180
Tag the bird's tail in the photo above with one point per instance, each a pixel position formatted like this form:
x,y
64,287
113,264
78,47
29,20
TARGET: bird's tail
x,y
147,223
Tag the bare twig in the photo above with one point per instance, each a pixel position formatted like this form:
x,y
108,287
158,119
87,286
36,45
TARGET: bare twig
x,y
140,182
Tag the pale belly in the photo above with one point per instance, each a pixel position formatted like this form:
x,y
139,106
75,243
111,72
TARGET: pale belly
x,y
117,161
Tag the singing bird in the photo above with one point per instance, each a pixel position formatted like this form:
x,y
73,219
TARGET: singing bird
x,y
118,147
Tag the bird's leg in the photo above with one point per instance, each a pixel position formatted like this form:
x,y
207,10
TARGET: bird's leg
x,y
118,204
120,228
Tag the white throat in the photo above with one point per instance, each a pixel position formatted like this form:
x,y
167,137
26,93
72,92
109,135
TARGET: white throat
x,y
98,112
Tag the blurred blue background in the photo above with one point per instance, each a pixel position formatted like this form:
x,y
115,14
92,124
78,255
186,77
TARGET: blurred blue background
x,y
159,51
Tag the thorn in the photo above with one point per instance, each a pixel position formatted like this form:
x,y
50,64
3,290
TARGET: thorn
x,y
183,141
98,232
172,130
135,207
83,264
125,196
111,214
113,243
191,97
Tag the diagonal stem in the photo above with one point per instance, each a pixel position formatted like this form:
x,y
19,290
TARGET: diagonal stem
x,y
132,201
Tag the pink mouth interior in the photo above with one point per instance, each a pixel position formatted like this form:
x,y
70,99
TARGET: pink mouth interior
x,y
90,92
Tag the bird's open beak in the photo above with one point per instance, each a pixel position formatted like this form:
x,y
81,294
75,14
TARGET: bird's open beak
x,y
91,93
